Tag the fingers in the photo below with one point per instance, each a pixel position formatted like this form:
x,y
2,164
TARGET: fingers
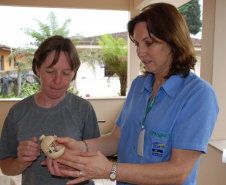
x,y
76,181
28,151
30,143
75,161
34,139
71,161
28,148
89,154
70,173
54,167
44,163
64,140
79,177
92,164
71,145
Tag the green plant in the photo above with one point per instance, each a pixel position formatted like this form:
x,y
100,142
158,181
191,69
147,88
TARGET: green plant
x,y
191,12
26,53
71,89
113,54
12,95
28,89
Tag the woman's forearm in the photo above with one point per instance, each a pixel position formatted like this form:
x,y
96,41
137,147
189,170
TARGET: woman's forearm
x,y
11,166
175,171
106,144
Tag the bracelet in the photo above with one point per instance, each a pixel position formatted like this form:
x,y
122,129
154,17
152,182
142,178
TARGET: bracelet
x,y
86,145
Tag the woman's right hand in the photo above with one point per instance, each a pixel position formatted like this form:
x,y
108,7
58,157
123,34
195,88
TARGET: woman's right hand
x,y
28,151
72,147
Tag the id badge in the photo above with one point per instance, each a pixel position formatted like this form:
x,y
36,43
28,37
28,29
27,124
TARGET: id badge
x,y
140,147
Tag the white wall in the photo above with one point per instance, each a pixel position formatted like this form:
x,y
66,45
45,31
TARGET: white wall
x,y
95,84
219,67
213,65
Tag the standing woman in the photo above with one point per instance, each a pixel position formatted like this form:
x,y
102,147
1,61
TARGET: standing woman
x,y
52,111
168,116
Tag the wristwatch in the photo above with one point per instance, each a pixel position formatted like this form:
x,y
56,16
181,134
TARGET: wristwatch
x,y
113,171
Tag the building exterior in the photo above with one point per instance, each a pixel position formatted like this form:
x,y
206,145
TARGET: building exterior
x,y
98,84
88,83
4,53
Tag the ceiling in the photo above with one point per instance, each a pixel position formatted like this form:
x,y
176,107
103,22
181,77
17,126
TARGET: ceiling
x,y
126,5
139,4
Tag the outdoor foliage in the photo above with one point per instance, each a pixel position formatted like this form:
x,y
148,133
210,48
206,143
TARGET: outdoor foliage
x,y
113,55
46,30
192,14
26,53
49,29
29,89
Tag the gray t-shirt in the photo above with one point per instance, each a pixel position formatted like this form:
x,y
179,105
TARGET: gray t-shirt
x,y
73,117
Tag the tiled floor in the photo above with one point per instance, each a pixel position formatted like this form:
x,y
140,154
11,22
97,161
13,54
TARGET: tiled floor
x,y
16,180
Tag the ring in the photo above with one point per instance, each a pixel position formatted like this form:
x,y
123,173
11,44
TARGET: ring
x,y
80,173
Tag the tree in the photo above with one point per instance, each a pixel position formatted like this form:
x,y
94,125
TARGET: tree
x,y
46,30
113,54
49,29
192,14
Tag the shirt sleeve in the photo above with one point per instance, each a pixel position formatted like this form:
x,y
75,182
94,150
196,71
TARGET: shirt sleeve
x,y
127,102
8,140
196,120
91,128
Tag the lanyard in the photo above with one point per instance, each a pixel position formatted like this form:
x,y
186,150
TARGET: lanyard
x,y
149,107
140,145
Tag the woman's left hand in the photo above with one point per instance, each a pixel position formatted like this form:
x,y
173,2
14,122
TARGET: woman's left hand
x,y
89,165
54,167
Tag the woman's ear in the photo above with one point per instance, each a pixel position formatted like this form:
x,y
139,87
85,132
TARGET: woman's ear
x,y
37,71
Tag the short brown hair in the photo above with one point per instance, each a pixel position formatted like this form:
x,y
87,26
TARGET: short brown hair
x,y
166,23
56,43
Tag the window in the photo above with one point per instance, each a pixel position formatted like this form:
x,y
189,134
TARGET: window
x,y
1,62
87,23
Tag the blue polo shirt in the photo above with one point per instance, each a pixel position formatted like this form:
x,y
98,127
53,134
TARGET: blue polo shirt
x,y
183,116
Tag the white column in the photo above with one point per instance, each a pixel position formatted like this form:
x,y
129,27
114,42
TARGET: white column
x,y
215,30
133,64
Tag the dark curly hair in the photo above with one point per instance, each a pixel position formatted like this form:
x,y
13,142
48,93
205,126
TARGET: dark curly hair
x,y
165,22
56,43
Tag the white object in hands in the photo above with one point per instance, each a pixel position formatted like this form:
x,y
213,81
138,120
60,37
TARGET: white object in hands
x,y
49,147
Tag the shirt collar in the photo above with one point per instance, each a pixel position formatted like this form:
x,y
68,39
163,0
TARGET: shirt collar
x,y
148,83
170,86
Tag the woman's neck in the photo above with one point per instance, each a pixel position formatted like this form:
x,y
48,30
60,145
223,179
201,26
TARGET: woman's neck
x,y
157,84
43,101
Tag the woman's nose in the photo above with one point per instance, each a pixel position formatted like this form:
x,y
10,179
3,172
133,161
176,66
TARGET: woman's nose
x,y
57,79
141,51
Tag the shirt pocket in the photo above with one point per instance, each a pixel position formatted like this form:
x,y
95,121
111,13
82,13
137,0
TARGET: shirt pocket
x,y
159,145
